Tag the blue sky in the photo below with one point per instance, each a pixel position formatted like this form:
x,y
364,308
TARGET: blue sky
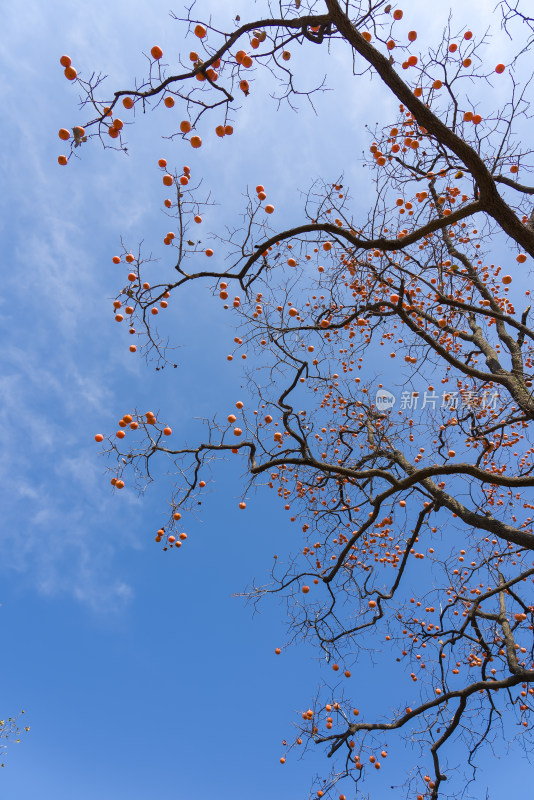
x,y
140,674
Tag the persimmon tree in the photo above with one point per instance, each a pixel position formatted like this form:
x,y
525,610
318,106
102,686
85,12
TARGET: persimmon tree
x,y
392,374
10,731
